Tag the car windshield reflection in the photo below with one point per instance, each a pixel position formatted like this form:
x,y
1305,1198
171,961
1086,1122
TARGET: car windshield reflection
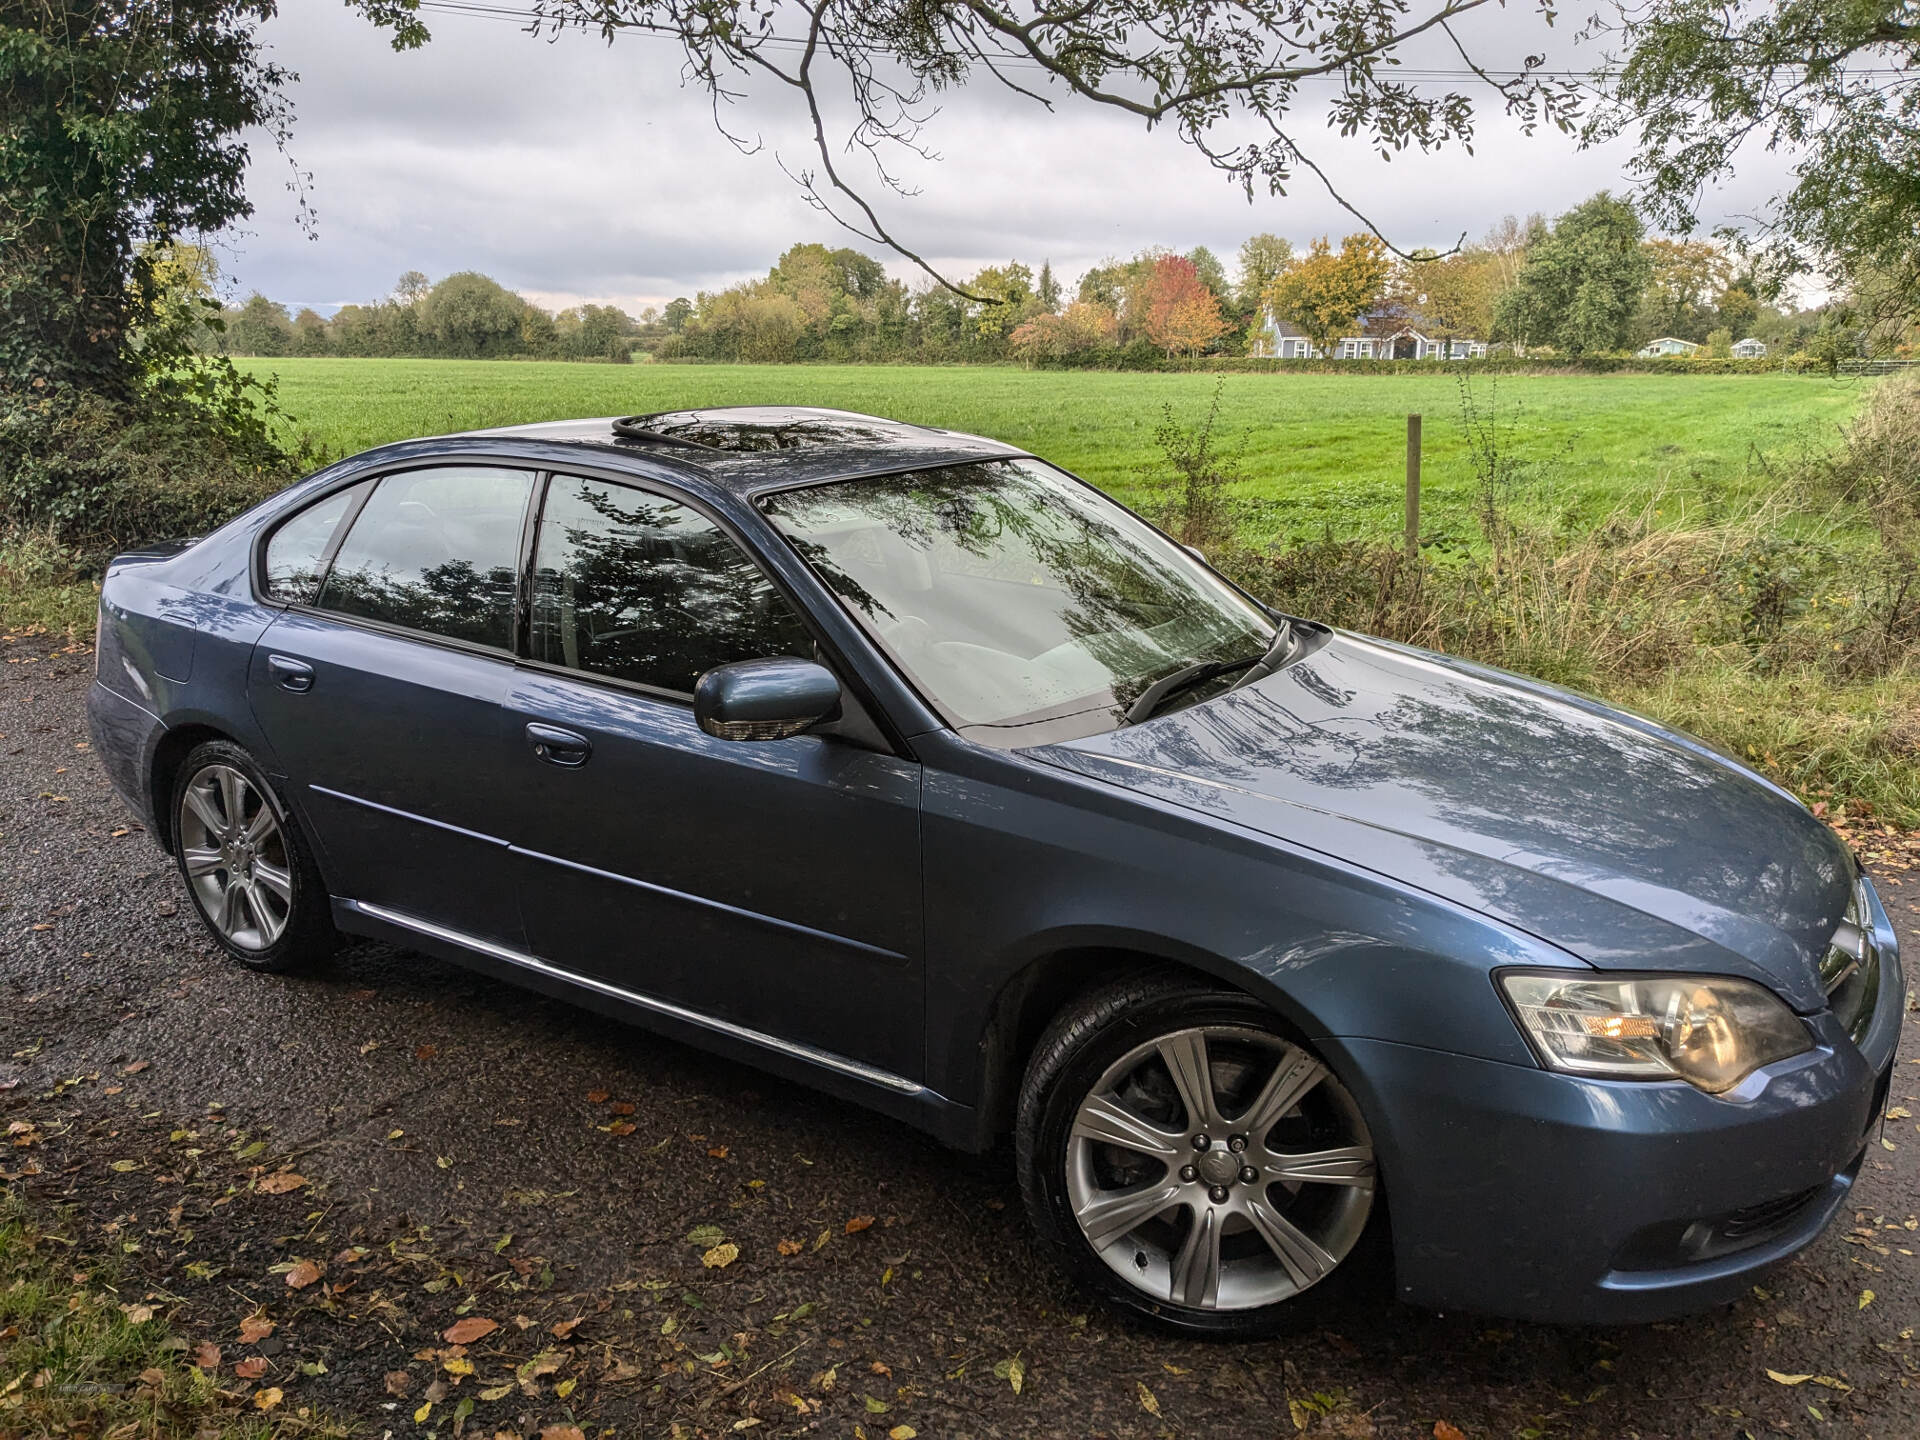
x,y
1012,595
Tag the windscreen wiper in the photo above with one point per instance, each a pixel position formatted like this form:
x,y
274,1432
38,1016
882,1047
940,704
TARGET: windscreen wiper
x,y
1188,676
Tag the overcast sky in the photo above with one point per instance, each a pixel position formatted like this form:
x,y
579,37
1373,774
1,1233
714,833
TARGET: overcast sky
x,y
572,170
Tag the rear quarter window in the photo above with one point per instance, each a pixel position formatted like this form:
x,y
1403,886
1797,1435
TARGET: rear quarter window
x,y
297,551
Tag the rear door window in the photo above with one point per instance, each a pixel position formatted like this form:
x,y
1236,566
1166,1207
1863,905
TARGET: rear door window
x,y
436,551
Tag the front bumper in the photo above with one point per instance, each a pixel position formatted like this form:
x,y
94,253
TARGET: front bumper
x,y
1548,1197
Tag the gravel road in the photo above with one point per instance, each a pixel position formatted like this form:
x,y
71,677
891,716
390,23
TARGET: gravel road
x,y
467,1149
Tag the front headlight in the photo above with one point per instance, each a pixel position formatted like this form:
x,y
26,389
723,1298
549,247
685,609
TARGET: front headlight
x,y
1711,1032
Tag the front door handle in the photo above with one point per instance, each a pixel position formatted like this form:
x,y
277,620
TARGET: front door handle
x,y
294,675
557,746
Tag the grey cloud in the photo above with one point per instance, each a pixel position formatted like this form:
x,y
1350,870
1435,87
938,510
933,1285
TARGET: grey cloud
x,y
570,168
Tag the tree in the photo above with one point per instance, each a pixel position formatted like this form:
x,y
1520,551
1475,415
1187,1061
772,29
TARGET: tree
x,y
1205,72
121,128
1262,258
1835,84
1322,293
679,310
1684,277
1454,295
1179,313
309,332
1046,288
1581,284
412,287
472,316
260,327
1212,273
1081,327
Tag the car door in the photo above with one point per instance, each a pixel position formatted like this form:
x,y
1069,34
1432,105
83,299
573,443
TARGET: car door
x,y
773,885
380,689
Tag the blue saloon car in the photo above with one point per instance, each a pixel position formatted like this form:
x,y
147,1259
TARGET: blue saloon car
x,y
901,763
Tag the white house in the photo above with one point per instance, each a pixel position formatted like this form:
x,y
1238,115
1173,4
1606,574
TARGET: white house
x,y
1381,336
1750,349
1667,345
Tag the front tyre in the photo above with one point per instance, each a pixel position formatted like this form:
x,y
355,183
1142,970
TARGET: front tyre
x,y
1186,1158
246,864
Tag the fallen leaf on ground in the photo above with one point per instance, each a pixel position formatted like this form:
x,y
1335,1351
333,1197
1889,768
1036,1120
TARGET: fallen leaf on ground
x,y
465,1332
791,1247
135,1068
563,1329
597,1097
280,1182
1866,1299
268,1398
1443,1431
718,1152
251,1368
720,1256
859,1222
206,1356
902,1432
1780,1379
620,1107
254,1329
706,1236
425,1052
1147,1401
304,1274
1013,1371
562,1432
399,1382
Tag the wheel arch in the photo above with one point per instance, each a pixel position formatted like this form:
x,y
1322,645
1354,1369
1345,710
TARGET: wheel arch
x,y
163,770
1045,983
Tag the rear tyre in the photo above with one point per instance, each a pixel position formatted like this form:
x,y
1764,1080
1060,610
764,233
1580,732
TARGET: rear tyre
x,y
1187,1158
246,864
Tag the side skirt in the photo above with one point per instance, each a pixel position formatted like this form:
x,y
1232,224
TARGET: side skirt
x,y
890,1094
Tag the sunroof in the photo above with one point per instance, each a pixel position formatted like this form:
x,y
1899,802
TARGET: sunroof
x,y
748,429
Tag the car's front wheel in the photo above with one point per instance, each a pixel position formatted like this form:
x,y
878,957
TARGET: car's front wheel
x,y
245,862
1187,1158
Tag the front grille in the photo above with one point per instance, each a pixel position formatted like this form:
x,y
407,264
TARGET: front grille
x,y
1850,970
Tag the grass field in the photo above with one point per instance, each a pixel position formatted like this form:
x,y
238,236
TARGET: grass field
x,y
1317,450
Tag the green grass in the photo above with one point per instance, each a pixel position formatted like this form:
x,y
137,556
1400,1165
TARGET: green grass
x,y
1318,450
81,1356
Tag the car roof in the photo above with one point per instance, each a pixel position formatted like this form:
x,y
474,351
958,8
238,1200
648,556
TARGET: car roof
x,y
751,448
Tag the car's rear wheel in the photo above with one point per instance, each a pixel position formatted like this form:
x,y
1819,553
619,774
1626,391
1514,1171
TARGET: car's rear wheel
x,y
245,862
1190,1160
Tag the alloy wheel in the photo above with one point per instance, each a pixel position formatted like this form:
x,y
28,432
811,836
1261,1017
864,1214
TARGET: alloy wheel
x,y
235,856
1220,1167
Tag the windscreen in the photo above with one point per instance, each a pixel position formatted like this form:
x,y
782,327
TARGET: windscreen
x,y
1011,594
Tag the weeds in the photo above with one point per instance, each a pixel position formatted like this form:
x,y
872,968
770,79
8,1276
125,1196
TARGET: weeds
x,y
1196,506
77,1357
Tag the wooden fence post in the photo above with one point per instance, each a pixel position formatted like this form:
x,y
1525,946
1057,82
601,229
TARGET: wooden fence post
x,y
1413,487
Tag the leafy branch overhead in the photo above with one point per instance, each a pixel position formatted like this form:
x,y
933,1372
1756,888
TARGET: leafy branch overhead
x,y
1228,79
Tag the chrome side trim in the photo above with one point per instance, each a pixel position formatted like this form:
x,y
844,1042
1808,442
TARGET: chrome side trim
x,y
704,903
824,1058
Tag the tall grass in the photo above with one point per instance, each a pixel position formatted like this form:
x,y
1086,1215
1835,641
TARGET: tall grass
x,y
1786,630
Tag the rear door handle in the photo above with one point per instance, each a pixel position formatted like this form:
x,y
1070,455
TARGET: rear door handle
x,y
295,675
557,746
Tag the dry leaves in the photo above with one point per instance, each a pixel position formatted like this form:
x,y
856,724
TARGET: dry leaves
x,y
304,1273
790,1247
859,1223
720,1256
280,1182
563,1432
255,1328
597,1097
206,1356
1147,1401
563,1329
251,1368
1443,1431
465,1332
268,1398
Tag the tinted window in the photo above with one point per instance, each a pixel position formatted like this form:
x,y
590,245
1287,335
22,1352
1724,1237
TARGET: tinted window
x,y
1011,593
631,585
297,547
435,550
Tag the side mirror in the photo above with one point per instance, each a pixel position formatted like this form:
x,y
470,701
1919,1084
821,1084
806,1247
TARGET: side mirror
x,y
764,699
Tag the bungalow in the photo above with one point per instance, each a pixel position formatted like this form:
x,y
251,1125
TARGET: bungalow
x,y
1383,335
1750,349
1667,345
